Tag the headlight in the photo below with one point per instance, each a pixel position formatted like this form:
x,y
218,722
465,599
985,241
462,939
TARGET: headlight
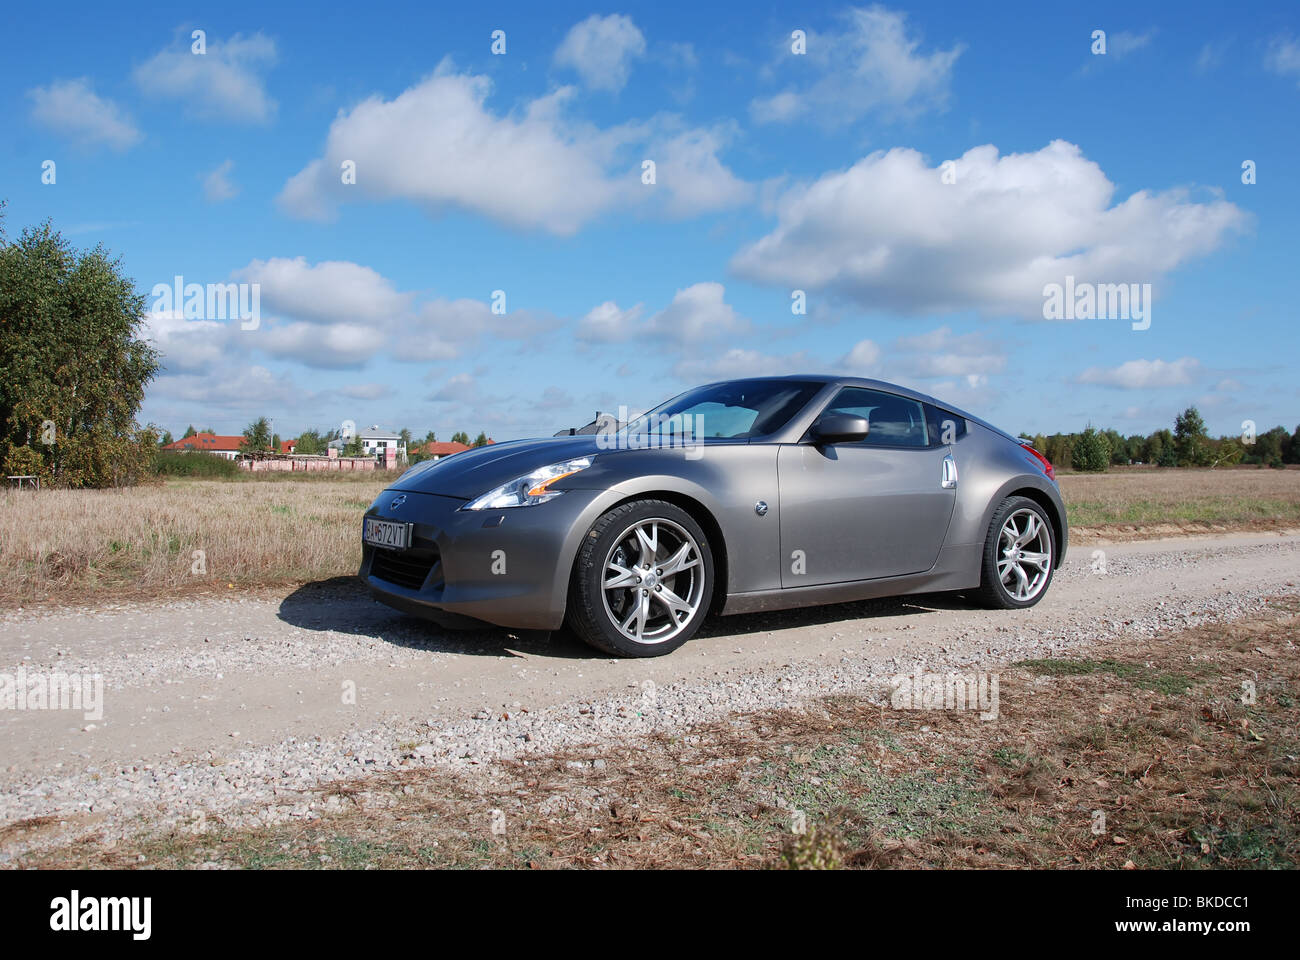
x,y
530,489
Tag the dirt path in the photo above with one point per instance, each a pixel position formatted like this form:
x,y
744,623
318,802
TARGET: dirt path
x,y
223,703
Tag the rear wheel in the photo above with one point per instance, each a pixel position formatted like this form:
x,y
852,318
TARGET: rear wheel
x,y
642,580
1019,555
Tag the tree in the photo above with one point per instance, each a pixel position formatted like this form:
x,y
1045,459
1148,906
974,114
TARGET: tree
x,y
405,436
1159,449
1090,452
1118,448
460,437
1190,445
310,442
257,436
1225,451
353,447
480,440
189,432
165,439
73,367
1056,448
1270,447
430,437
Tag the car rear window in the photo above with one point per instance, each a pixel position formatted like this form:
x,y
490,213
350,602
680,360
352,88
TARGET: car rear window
x,y
945,426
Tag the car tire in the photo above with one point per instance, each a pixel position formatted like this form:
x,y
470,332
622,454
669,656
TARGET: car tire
x,y
1001,587
614,596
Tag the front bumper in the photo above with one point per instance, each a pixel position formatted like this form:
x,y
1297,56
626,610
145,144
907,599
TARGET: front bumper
x,y
504,567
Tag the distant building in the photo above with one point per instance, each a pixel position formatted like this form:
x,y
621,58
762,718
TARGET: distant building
x,y
382,444
226,447
438,449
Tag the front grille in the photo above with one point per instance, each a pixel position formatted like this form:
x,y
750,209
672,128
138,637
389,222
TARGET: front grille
x,y
403,568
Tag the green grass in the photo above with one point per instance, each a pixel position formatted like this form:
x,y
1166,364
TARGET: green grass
x,y
1227,509
1140,676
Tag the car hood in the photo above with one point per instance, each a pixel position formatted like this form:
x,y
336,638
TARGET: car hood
x,y
474,472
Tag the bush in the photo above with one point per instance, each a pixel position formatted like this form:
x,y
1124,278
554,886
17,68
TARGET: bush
x,y
176,463
1090,452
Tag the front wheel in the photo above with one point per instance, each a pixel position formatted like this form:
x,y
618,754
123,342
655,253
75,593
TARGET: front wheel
x,y
642,580
1019,555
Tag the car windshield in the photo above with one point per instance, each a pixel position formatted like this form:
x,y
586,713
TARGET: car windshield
x,y
735,410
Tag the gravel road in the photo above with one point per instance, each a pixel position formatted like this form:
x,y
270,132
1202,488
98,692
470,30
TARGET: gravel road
x,y
239,708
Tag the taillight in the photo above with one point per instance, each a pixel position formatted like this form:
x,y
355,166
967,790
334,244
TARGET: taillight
x,y
1047,464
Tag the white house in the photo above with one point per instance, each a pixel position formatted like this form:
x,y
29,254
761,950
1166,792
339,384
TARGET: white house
x,y
379,442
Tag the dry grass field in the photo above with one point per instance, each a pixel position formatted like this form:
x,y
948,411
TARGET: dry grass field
x,y
1132,503
70,546
66,546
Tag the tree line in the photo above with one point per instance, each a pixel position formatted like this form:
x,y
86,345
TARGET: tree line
x,y
1188,444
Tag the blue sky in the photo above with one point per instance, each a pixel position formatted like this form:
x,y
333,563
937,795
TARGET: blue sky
x,y
774,171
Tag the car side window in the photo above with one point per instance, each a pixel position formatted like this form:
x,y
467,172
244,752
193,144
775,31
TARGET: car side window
x,y
892,421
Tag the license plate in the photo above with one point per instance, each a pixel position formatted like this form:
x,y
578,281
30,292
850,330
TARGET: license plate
x,y
386,533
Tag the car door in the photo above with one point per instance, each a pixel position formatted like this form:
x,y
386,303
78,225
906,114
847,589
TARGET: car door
x,y
879,507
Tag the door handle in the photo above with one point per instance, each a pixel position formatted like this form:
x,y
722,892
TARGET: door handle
x,y
949,480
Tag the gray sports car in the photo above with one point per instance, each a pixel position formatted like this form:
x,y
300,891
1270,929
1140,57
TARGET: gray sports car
x,y
733,497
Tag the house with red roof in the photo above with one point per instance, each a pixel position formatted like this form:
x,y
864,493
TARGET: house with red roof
x,y
440,448
227,447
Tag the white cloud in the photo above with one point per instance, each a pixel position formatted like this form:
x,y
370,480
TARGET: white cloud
x,y
608,323
339,315
186,345
601,50
461,388
327,346
739,362
223,83
366,391
1210,57
437,144
941,353
231,393
216,184
1121,44
873,65
861,361
326,292
693,178
696,314
72,109
1283,56
1144,374
889,234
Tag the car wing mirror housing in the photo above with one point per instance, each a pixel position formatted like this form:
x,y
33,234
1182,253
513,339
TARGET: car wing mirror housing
x,y
840,428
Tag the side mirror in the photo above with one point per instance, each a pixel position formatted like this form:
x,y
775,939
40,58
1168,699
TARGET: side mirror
x,y
840,428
